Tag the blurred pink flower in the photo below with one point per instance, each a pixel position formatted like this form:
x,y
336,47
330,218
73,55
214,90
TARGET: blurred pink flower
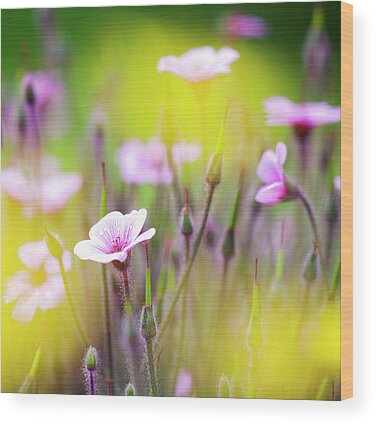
x,y
41,286
199,64
303,116
183,386
240,25
270,172
114,236
48,191
337,182
142,163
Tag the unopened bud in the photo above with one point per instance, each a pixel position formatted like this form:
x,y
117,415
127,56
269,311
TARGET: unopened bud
x,y
224,387
311,265
54,246
186,227
90,368
130,390
214,173
91,358
148,324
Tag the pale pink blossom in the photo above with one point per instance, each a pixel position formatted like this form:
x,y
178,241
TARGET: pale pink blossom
x,y
114,236
270,171
40,286
337,182
147,163
282,111
199,64
241,25
183,386
47,191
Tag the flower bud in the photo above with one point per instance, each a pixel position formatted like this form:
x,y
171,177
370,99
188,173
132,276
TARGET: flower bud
x,y
311,265
214,173
90,370
224,388
130,390
148,324
54,246
91,358
228,246
186,227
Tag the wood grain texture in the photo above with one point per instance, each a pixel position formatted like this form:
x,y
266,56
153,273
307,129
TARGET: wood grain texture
x,y
346,202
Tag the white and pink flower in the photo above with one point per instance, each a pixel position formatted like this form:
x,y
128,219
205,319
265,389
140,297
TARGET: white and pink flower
x,y
199,64
40,286
114,236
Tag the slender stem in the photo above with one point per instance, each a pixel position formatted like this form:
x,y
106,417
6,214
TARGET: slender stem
x,y
148,278
70,301
189,264
108,328
315,231
126,298
150,358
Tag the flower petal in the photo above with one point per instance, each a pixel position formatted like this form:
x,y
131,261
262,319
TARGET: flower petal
x,y
268,169
271,194
26,306
135,222
52,265
281,153
107,222
147,235
90,250
52,292
17,285
33,254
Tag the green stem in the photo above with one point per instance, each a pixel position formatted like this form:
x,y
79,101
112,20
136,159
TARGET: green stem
x,y
150,358
71,304
108,328
312,220
189,265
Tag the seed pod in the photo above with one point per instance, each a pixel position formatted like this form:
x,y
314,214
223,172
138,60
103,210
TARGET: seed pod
x,y
130,390
214,173
148,324
53,244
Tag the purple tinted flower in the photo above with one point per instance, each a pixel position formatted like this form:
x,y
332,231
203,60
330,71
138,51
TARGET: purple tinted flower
x,y
151,157
240,25
48,191
114,236
270,172
183,384
41,286
303,116
199,64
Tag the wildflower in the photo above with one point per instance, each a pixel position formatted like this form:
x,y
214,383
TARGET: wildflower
x,y
241,25
270,171
113,237
151,158
47,191
183,386
302,117
41,286
199,64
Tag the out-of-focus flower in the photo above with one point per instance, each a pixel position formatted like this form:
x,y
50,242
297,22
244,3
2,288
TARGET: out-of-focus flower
x,y
41,286
142,163
114,236
270,171
241,25
199,64
183,384
337,182
48,190
301,117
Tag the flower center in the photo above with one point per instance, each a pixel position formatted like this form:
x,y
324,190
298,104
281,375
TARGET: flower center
x,y
116,244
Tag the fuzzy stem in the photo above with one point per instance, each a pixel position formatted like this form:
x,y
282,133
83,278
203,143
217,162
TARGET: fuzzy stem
x,y
147,278
150,359
189,265
71,304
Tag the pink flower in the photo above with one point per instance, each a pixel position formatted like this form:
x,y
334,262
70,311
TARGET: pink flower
x,y
48,191
270,172
142,163
114,236
183,384
303,116
337,182
240,25
199,64
41,286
